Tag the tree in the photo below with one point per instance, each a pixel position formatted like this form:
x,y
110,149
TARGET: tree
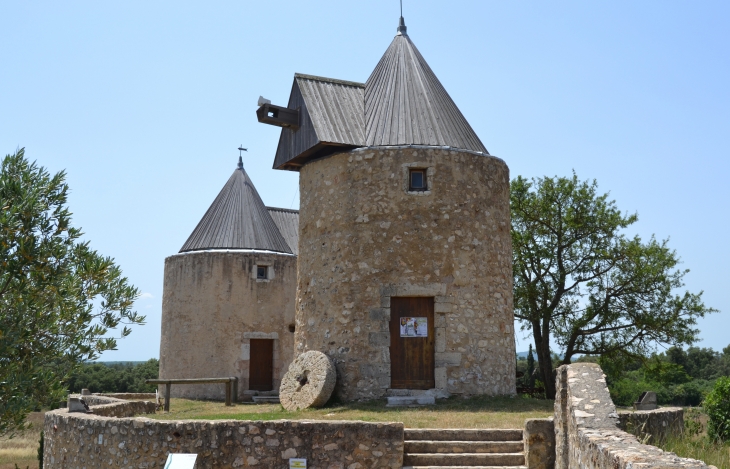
x,y
579,280
530,376
59,299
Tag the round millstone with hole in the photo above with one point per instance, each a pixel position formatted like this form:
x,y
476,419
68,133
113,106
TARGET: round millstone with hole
x,y
309,382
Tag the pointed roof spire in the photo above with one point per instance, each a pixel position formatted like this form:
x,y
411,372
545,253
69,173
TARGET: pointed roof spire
x,y
405,104
237,219
402,30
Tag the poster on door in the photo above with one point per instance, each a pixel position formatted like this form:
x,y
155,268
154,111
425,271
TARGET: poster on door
x,y
414,327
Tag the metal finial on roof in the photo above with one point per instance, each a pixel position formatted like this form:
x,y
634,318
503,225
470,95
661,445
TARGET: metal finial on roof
x,y
240,156
402,28
402,24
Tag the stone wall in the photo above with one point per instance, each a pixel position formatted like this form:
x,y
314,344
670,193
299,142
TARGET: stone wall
x,y
77,440
653,426
586,427
128,396
364,238
213,305
539,440
113,407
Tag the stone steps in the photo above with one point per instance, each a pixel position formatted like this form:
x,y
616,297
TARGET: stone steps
x,y
464,467
426,446
463,449
463,459
452,434
410,401
266,399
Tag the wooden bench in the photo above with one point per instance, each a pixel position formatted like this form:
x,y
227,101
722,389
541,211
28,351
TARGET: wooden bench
x,y
230,382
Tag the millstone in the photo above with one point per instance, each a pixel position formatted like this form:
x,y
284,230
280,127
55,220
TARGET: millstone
x,y
309,382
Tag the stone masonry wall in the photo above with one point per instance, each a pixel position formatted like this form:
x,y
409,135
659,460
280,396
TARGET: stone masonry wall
x,y
114,407
79,440
213,305
365,238
539,440
653,426
586,428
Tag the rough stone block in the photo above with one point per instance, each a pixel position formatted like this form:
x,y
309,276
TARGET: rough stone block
x,y
447,359
379,339
379,314
260,335
430,289
388,290
443,307
441,377
440,339
539,441
410,401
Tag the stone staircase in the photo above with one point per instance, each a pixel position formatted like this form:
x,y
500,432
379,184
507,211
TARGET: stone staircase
x,y
463,449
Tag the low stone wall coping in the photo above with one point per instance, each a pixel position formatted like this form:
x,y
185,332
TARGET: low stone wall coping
x,y
587,430
111,438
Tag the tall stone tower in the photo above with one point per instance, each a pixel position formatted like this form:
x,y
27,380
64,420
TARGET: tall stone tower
x,y
228,301
405,262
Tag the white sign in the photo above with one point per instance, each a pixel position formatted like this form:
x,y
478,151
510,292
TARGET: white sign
x,y
180,461
414,327
297,463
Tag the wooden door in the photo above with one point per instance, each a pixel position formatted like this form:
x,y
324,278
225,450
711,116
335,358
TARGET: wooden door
x,y
261,370
411,347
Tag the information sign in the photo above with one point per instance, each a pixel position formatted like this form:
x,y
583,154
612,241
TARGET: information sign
x,y
297,463
413,327
180,461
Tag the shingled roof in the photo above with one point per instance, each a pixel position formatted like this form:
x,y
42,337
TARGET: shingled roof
x,y
402,103
237,219
406,104
330,115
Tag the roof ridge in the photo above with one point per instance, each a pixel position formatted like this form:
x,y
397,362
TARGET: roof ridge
x,y
329,80
282,209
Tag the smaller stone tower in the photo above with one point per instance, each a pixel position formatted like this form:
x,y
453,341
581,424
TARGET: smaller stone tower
x,y
228,302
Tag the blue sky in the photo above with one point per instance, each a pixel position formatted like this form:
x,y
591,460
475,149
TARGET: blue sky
x,y
144,104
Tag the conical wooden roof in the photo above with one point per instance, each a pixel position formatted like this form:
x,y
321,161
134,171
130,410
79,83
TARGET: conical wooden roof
x,y
405,104
237,219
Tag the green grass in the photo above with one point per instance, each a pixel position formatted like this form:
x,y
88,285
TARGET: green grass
x,y
715,454
477,412
695,443
22,449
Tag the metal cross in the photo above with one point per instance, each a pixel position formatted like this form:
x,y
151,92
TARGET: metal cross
x,y
240,156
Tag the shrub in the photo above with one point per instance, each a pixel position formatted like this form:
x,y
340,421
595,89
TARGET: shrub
x,y
115,377
717,407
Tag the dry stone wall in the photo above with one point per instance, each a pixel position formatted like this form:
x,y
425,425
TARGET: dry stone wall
x,y
653,426
78,440
586,428
364,238
213,305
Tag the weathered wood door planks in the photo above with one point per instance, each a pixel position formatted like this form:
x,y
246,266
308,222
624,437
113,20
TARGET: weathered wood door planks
x,y
261,371
411,358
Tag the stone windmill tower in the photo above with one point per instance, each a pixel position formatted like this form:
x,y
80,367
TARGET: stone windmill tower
x,y
405,263
228,301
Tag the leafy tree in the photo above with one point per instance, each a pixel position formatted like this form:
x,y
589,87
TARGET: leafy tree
x,y
59,298
530,378
115,377
717,406
580,280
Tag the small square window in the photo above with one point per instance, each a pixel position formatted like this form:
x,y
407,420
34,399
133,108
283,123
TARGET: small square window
x,y
417,180
261,272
